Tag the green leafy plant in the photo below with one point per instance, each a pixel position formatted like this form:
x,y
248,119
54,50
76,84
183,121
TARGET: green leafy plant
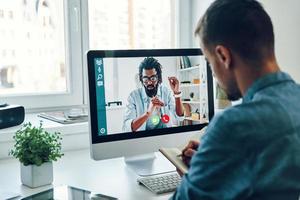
x,y
35,146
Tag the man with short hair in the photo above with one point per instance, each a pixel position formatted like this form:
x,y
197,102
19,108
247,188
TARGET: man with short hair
x,y
154,105
251,150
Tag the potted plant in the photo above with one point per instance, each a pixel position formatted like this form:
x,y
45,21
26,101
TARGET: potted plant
x,y
36,149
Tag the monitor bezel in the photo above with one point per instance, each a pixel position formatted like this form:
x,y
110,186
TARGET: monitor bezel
x,y
140,53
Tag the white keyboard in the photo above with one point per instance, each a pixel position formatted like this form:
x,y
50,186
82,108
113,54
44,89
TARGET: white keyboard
x,y
161,183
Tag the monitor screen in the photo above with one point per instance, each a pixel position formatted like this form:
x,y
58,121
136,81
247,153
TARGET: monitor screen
x,y
145,93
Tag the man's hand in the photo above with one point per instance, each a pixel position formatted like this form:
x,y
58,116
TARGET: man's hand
x,y
155,102
189,151
140,120
187,154
174,84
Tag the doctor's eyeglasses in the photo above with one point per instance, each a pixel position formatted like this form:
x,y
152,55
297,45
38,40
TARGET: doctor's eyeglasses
x,y
151,78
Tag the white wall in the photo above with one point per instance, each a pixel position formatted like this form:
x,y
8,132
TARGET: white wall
x,y
198,9
286,19
285,16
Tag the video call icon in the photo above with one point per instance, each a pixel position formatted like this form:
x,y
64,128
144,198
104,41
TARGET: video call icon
x,y
155,120
165,118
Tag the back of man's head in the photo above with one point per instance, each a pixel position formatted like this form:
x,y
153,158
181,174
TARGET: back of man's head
x,y
243,26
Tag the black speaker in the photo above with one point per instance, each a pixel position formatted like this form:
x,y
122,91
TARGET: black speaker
x,y
11,115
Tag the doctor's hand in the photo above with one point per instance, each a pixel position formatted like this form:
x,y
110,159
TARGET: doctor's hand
x,y
189,151
155,103
174,84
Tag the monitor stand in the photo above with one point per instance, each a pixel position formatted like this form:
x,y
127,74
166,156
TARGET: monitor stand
x,y
149,164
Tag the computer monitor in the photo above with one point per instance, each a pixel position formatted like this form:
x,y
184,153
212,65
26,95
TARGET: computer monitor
x,y
121,89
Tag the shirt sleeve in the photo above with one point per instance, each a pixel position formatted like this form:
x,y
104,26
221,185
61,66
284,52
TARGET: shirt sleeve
x,y
172,106
219,169
130,114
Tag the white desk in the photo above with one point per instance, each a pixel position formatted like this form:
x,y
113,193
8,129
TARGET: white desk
x,y
76,168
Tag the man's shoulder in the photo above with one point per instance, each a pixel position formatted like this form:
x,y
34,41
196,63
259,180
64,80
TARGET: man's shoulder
x,y
253,111
234,117
136,92
237,113
248,123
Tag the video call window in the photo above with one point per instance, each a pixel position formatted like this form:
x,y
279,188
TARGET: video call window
x,y
161,92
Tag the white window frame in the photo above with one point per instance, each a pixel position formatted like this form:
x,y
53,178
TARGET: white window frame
x,y
73,63
183,26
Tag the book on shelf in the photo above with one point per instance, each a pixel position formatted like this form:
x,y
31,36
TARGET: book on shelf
x,y
185,62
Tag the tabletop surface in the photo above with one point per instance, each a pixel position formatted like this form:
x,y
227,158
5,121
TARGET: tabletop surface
x,y
110,177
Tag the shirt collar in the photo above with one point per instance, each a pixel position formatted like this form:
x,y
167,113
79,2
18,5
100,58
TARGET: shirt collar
x,y
145,96
265,81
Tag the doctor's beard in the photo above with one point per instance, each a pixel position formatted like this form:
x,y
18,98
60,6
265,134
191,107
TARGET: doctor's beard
x,y
151,90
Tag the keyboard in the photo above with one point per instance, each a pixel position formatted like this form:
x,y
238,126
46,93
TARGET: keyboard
x,y
161,183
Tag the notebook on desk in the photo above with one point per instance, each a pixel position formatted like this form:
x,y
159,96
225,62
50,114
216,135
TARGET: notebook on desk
x,y
173,155
63,117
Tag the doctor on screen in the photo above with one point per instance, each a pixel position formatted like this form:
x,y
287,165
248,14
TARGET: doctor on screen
x,y
154,105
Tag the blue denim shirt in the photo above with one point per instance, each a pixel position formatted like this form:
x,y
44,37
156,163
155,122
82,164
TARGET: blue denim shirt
x,y
252,150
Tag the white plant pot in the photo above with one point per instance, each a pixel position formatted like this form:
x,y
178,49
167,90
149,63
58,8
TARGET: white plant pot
x,y
35,176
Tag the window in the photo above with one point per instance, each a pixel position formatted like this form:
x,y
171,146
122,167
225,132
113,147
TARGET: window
x,y
37,73
127,24
29,65
43,43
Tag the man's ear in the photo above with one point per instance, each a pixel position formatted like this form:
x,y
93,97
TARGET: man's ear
x,y
223,56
